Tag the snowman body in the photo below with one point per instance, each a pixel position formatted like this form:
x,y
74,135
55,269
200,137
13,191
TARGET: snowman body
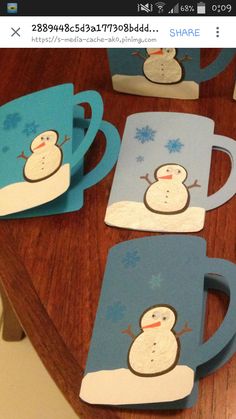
x,y
162,69
167,197
43,164
154,352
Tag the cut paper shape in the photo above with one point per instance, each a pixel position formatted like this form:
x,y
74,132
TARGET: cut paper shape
x,y
170,333
161,66
163,72
156,350
23,195
97,388
168,192
46,158
42,122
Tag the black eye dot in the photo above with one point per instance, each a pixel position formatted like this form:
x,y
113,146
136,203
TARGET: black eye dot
x,y
153,316
48,138
167,170
179,171
42,138
164,318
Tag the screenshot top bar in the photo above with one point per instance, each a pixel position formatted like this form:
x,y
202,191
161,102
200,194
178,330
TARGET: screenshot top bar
x,y
116,8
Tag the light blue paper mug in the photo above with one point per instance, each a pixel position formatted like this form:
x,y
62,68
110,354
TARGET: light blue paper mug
x,y
162,174
39,150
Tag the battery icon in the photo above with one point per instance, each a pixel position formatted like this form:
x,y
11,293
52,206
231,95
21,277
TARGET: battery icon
x,y
201,8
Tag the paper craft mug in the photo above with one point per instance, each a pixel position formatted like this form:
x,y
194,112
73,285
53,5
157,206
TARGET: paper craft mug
x,y
163,72
148,335
38,155
162,175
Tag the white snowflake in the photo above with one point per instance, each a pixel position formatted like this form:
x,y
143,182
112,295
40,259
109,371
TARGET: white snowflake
x,y
155,281
145,134
174,146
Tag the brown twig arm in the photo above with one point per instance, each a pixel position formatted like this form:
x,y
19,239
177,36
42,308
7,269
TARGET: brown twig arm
x,y
194,185
65,140
146,178
184,330
22,155
129,332
186,57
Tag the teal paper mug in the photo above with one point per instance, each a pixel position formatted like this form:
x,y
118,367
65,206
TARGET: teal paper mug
x,y
38,147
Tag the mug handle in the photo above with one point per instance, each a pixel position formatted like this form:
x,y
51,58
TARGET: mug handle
x,y
214,283
213,346
218,65
228,146
95,101
109,158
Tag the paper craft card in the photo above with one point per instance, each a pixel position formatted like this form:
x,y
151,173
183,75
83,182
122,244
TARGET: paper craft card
x,y
147,339
162,174
163,72
44,138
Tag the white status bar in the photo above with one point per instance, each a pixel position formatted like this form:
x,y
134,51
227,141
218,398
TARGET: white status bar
x,y
100,32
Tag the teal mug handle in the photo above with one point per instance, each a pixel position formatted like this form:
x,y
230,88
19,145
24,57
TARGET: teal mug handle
x,y
222,337
109,158
228,146
218,65
95,101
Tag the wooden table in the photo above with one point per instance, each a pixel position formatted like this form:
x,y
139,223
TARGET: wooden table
x,y
65,255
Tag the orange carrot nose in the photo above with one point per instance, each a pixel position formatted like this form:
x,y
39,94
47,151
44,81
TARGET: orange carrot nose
x,y
157,52
39,146
165,177
152,325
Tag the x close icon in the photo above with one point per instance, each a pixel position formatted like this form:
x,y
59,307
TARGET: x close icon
x,y
15,32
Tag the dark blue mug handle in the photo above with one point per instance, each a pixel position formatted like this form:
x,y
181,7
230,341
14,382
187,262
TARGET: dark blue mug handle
x,y
222,337
109,158
213,282
218,65
95,101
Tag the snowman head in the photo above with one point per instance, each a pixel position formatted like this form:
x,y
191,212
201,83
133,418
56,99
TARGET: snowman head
x,y
171,172
43,141
169,53
159,317
166,53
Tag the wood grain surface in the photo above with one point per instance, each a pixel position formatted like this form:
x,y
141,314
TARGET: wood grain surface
x,y
55,293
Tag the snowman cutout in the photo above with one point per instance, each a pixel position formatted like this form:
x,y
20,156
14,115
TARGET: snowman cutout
x,y
161,65
168,194
46,157
156,350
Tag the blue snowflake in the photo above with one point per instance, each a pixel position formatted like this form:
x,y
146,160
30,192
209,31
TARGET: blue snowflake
x,y
139,159
115,312
155,281
11,121
30,128
5,149
145,134
174,146
131,259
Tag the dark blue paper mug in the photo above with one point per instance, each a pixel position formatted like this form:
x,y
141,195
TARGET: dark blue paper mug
x,y
147,339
